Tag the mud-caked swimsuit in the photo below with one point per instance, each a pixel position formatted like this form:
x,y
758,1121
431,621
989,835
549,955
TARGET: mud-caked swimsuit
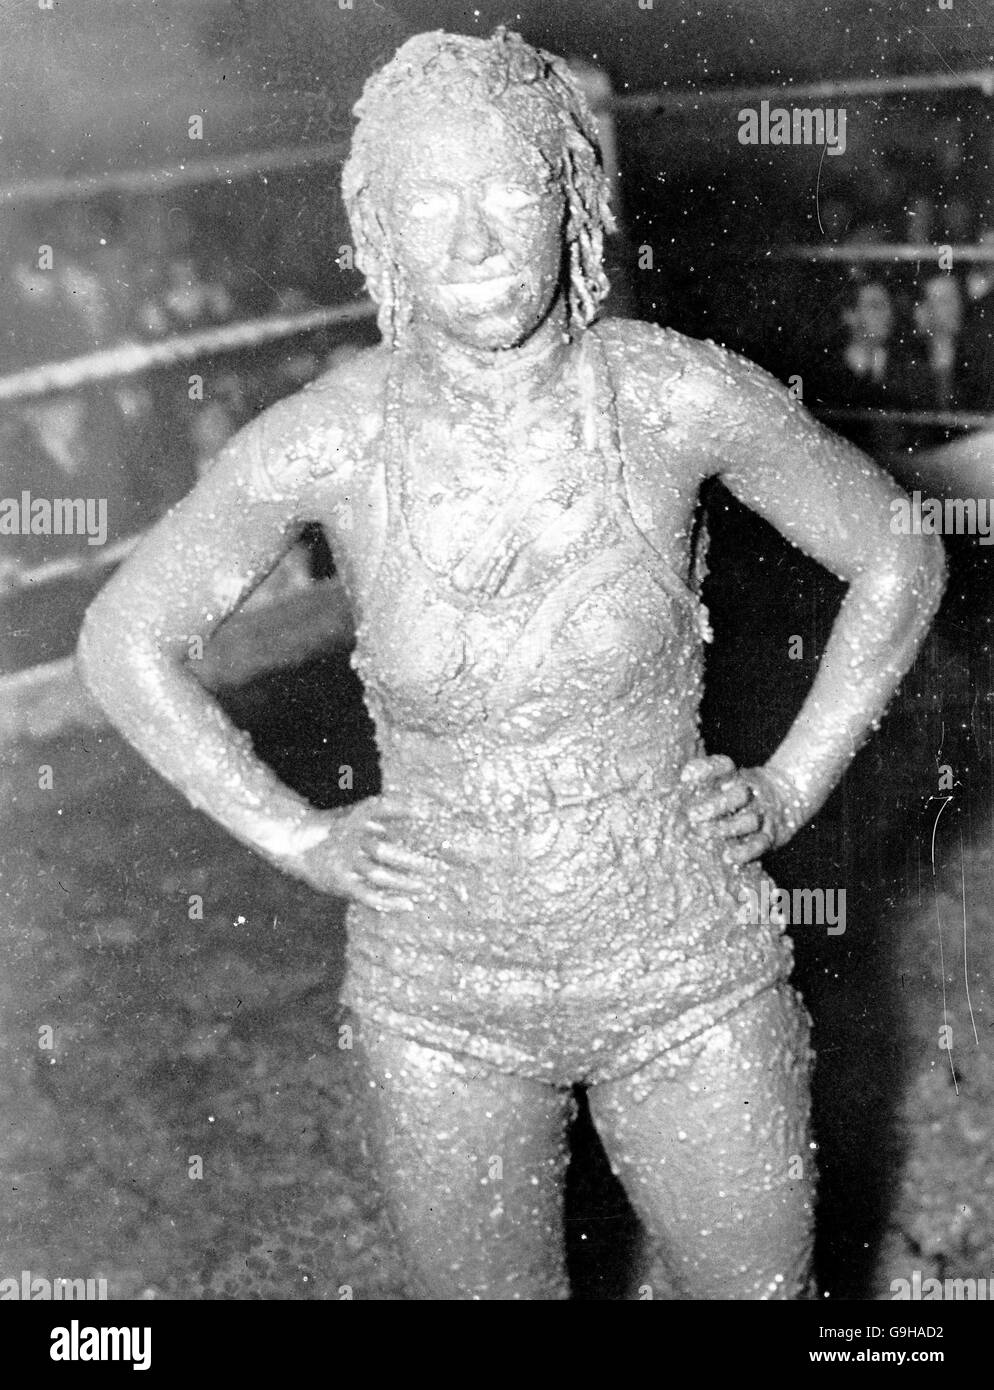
x,y
538,732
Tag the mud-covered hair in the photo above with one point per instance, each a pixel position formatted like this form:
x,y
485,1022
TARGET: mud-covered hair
x,y
535,93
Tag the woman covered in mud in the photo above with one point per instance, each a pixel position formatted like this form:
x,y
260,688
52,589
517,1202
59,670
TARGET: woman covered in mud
x,y
549,889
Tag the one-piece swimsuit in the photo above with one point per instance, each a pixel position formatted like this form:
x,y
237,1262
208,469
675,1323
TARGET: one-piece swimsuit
x,y
578,925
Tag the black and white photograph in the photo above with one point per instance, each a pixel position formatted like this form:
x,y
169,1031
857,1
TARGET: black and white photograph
x,y
497,663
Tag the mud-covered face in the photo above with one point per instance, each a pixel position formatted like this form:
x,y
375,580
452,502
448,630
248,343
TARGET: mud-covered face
x,y
476,229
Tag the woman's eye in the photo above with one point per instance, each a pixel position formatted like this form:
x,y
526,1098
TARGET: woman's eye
x,y
428,205
512,197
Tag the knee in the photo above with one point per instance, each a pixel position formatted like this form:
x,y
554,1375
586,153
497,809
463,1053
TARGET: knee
x,y
759,1249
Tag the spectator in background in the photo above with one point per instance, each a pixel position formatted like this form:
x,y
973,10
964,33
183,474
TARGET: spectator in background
x,y
66,284
958,222
866,356
172,296
938,316
187,300
224,411
920,220
866,371
976,347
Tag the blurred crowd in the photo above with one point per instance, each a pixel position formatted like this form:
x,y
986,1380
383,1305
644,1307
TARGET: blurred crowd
x,y
83,276
900,332
909,336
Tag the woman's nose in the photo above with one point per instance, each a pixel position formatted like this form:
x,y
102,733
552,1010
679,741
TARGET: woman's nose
x,y
473,238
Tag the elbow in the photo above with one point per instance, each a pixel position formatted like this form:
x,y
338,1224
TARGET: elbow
x,y
931,574
111,656
98,653
914,580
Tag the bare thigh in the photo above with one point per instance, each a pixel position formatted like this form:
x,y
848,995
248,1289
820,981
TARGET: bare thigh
x,y
472,1164
716,1160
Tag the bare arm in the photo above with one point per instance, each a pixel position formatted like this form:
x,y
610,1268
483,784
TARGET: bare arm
x,y
194,569
197,565
834,503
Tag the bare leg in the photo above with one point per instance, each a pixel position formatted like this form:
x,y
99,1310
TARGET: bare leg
x,y
472,1164
717,1163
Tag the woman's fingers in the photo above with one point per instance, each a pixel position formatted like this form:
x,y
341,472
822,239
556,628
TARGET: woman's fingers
x,y
722,803
700,770
374,866
743,851
381,902
745,823
735,810
387,852
390,878
385,848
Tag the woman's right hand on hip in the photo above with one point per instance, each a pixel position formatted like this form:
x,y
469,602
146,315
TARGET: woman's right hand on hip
x,y
361,857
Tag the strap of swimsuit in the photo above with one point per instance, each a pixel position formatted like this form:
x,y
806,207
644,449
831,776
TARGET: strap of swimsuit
x,y
606,424
392,440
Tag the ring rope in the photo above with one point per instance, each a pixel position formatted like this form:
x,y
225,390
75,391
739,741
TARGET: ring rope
x,y
130,358
651,102
73,567
25,192
883,251
941,419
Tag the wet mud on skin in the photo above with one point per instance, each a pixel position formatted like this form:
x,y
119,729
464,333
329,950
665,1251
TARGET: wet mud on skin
x,y
220,1037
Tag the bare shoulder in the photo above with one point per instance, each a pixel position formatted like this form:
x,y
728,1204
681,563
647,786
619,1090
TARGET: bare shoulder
x,y
689,394
697,374
321,435
355,377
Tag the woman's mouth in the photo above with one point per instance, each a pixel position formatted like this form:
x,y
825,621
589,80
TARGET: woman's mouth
x,y
480,292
